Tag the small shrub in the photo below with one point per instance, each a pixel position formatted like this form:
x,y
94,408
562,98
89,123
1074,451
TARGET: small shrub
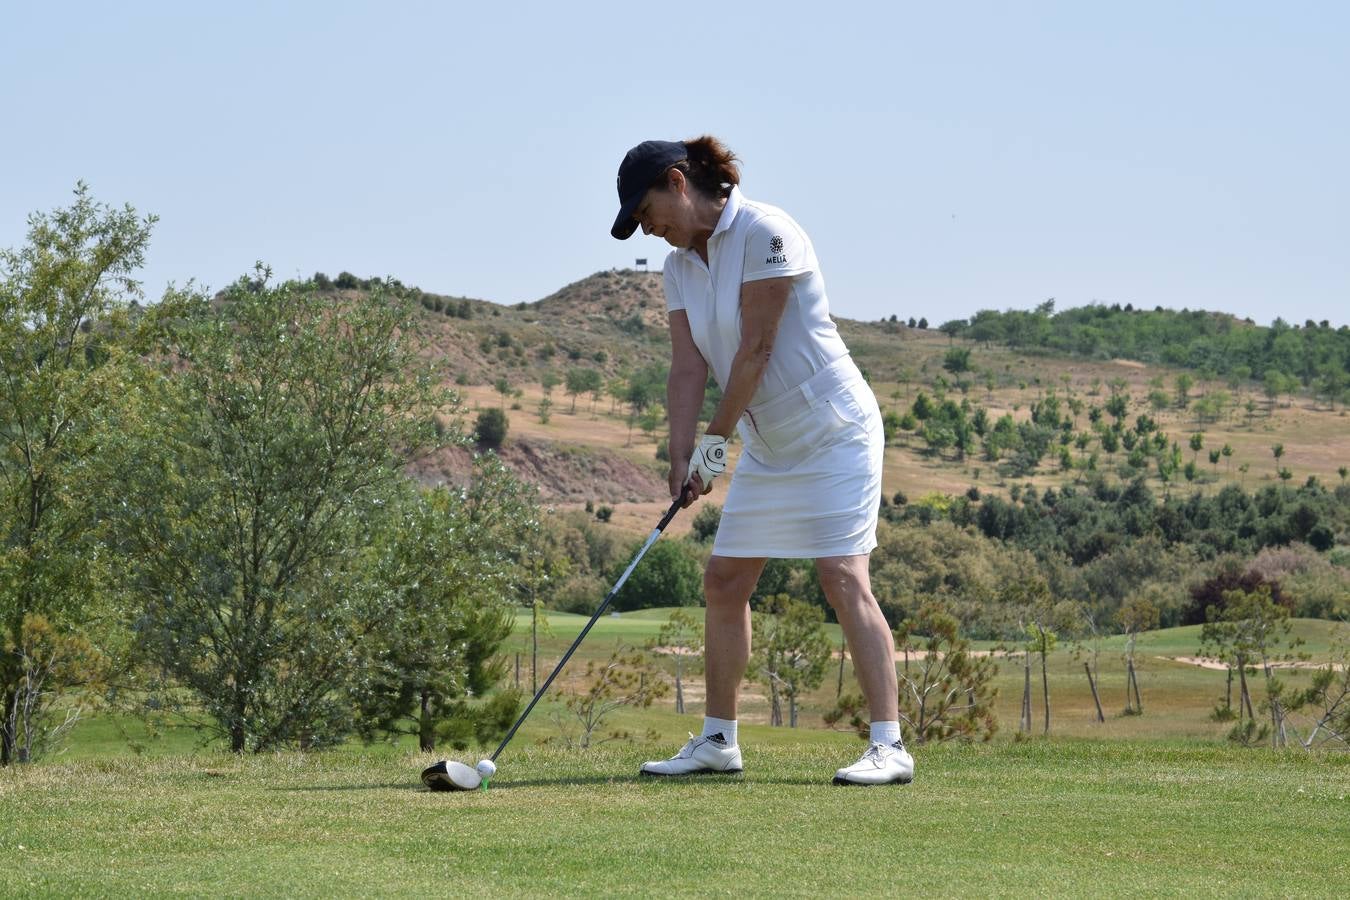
x,y
603,513
491,428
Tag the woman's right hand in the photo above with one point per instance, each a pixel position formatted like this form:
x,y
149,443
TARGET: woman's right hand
x,y
682,486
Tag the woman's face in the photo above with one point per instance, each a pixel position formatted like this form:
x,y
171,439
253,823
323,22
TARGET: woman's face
x,y
666,211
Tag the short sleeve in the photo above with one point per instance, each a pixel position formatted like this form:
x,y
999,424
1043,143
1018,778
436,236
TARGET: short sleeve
x,y
671,282
775,247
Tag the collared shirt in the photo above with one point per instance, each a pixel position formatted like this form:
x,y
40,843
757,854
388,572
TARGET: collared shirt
x,y
754,241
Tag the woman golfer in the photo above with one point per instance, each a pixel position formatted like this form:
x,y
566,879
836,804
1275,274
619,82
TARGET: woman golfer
x,y
747,300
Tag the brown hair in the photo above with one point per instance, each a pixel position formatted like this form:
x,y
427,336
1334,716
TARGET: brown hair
x,y
711,167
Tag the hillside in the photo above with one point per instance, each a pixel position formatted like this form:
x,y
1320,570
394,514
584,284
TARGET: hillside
x,y
614,322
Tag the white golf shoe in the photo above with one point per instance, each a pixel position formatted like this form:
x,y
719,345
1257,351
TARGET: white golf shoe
x,y
701,756
881,764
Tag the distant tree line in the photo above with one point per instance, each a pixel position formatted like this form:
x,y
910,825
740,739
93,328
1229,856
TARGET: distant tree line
x,y
1315,353
1104,544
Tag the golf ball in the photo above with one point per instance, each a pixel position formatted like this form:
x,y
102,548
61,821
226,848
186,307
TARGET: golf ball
x,y
487,768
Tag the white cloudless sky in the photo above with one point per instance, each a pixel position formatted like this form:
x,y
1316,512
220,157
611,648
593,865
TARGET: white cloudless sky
x,y
944,158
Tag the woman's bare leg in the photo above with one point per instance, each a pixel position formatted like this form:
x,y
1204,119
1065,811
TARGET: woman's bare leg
x,y
849,592
728,582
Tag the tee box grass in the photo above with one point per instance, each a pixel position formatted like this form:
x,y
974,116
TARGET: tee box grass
x,y
1058,817
1157,804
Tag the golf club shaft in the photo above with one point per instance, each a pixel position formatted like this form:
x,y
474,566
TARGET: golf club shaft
x,y
651,539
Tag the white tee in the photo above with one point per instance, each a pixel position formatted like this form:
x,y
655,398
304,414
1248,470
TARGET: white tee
x,y
754,241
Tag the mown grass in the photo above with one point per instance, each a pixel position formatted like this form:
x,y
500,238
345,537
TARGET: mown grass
x,y
1178,697
1058,817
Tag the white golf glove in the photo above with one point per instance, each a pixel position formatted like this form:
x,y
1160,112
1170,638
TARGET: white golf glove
x,y
709,459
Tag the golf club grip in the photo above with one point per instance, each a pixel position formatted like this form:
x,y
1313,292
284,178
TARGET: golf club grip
x,y
595,617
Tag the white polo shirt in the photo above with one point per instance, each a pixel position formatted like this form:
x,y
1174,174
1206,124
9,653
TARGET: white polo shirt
x,y
753,241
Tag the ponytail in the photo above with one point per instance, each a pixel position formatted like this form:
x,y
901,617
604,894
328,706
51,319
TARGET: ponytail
x,y
711,167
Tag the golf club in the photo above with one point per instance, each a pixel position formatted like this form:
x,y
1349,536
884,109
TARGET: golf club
x,y
447,775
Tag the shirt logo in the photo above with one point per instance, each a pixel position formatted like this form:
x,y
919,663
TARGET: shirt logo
x,y
776,251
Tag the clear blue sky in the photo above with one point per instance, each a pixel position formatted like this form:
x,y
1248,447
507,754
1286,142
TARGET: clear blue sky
x,y
944,157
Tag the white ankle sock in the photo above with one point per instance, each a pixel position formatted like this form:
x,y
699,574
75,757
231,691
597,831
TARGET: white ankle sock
x,y
885,732
724,727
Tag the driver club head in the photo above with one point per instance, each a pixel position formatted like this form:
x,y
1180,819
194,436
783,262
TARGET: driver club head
x,y
448,775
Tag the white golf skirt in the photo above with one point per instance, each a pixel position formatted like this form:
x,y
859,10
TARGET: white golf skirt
x,y
808,481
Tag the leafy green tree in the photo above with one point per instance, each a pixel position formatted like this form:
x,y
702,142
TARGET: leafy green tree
x,y
50,662
1117,405
706,520
249,499
923,407
1197,443
490,428
1110,440
669,576
65,299
957,360
792,652
1183,382
435,609
581,381
650,419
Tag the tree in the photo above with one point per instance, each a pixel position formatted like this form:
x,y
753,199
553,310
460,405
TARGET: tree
x,y
1136,615
491,428
50,663
682,637
650,419
1326,704
1184,383
627,678
65,299
1197,443
948,694
669,576
1250,626
581,381
503,387
957,360
923,407
248,502
436,608
706,520
792,652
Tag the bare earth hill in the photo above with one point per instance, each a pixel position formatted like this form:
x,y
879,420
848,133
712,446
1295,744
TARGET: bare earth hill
x,y
592,448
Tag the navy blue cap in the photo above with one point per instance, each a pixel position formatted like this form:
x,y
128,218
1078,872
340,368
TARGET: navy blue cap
x,y
639,170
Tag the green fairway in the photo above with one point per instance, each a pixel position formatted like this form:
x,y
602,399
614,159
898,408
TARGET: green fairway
x,y
1151,804
1058,817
